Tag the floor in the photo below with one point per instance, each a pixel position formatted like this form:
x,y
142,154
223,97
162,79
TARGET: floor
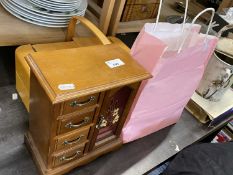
x,y
13,122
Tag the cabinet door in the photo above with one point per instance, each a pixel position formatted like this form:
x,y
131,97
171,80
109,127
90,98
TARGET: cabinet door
x,y
112,115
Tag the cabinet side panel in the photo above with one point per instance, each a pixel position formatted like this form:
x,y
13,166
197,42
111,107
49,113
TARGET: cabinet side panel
x,y
40,118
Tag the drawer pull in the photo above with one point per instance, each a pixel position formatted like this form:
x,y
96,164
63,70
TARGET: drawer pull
x,y
64,158
84,122
66,142
79,104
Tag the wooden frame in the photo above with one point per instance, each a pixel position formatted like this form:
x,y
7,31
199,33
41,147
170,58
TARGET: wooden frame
x,y
101,16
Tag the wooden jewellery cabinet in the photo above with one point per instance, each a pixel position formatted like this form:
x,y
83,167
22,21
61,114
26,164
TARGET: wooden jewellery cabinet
x,y
79,101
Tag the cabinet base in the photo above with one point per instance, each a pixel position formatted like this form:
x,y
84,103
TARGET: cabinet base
x,y
69,166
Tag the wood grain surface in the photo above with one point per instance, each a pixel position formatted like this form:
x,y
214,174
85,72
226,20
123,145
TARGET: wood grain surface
x,y
83,67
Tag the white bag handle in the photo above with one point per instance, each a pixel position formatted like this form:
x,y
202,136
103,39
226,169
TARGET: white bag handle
x,y
159,12
194,20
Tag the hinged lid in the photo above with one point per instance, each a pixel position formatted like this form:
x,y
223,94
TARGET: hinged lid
x,y
71,73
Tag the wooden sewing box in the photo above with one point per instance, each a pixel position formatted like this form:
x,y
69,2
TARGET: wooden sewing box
x,y
77,102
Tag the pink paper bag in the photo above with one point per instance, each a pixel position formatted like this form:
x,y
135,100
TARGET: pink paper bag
x,y
148,48
176,72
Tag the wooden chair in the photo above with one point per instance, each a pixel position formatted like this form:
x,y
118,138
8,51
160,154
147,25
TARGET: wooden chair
x,y
101,15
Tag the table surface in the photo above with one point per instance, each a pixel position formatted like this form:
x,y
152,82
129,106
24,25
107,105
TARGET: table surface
x,y
14,32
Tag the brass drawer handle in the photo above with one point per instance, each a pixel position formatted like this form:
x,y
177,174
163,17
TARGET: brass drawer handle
x,y
66,142
79,104
64,158
84,122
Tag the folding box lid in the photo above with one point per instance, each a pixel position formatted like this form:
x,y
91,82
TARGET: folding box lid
x,y
84,70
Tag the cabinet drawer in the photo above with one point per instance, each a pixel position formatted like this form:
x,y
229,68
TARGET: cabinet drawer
x,y
73,139
80,103
75,122
68,156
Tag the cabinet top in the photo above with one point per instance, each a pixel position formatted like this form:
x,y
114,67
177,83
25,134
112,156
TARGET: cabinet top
x,y
71,73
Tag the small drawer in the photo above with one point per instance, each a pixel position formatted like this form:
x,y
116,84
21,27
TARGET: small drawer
x,y
80,103
68,156
72,140
75,122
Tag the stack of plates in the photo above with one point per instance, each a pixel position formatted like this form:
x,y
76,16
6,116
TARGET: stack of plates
x,y
48,13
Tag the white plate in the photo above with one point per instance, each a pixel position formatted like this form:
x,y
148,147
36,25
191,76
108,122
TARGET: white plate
x,y
33,17
39,14
51,3
32,21
65,1
29,6
52,8
61,4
